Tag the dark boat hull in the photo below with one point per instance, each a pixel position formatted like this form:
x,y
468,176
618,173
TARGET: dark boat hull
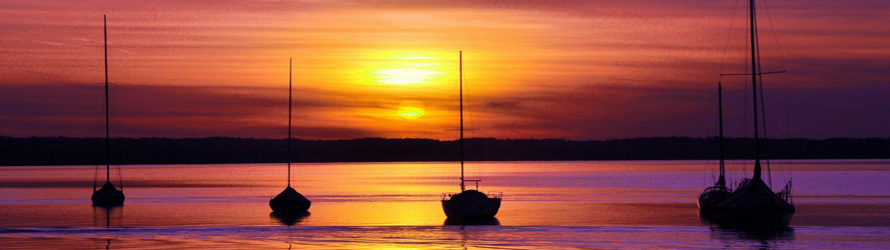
x,y
108,196
752,206
289,202
490,221
471,205
286,206
712,197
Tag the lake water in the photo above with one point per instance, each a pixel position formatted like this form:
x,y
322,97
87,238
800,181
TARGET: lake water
x,y
841,204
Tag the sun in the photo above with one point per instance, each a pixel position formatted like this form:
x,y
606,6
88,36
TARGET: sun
x,y
411,109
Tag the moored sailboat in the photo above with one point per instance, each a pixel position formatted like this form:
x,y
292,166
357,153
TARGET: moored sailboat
x,y
108,195
289,202
713,195
753,204
468,204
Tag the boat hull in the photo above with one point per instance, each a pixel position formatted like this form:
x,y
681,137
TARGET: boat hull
x,y
289,202
712,197
108,196
490,221
752,206
471,205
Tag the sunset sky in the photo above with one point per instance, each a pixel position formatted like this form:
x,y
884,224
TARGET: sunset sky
x,y
533,69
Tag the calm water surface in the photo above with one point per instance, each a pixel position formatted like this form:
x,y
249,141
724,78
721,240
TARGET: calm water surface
x,y
841,204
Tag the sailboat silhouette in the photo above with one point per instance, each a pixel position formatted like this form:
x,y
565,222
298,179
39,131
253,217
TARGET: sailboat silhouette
x,y
469,204
289,202
714,195
108,195
753,205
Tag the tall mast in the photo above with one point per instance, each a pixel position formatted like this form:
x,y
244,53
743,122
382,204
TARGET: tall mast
x,y
461,67
754,88
722,180
290,74
107,136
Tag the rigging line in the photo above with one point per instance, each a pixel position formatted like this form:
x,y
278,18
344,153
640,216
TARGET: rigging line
x,y
722,144
787,118
471,121
95,176
748,47
719,81
120,178
782,61
98,118
746,70
775,37
754,68
745,109
765,136
729,35
97,134
461,89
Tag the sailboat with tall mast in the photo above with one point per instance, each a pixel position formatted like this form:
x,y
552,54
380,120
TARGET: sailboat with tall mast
x,y
289,202
469,204
108,195
754,205
713,195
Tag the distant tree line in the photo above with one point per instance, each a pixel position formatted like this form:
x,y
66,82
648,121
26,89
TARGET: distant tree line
x,y
90,151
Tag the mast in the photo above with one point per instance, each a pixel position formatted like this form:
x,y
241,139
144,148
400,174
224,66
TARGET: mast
x,y
461,89
753,25
290,74
722,180
107,136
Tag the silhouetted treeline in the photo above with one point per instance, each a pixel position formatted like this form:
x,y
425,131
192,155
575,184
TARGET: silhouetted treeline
x,y
90,151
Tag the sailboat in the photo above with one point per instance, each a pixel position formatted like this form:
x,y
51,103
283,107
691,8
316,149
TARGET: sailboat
x,y
289,202
469,204
713,195
753,204
108,195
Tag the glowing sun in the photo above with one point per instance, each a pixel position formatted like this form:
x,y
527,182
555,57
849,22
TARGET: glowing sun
x,y
411,109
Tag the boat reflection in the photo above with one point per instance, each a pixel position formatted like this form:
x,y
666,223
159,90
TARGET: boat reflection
x,y
104,215
778,223
756,239
468,222
289,219
760,239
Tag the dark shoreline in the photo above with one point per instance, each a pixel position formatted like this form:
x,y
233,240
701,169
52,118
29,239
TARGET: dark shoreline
x,y
216,150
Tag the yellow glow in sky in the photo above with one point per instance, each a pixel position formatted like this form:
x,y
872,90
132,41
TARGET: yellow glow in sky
x,y
405,76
